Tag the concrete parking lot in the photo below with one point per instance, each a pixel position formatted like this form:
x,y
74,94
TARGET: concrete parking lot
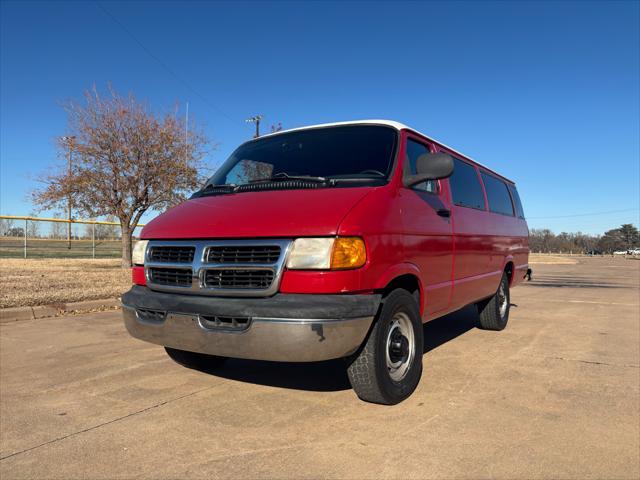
x,y
555,395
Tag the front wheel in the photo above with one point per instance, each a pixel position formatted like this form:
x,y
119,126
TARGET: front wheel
x,y
494,312
197,361
389,366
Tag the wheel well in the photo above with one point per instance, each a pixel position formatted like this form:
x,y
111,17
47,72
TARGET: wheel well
x,y
407,282
509,271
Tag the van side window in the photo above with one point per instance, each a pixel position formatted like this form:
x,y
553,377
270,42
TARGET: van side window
x,y
516,201
414,150
497,195
465,186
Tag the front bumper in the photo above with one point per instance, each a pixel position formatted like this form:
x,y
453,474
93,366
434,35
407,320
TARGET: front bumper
x,y
285,327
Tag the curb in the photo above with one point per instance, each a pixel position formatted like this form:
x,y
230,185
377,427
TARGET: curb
x,y
16,314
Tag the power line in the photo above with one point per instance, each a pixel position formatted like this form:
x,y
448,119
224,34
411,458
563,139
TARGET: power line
x,y
587,214
164,65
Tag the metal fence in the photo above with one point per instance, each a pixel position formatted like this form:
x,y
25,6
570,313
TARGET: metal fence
x,y
34,237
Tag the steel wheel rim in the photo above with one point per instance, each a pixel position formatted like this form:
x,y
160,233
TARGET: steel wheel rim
x,y
503,302
400,346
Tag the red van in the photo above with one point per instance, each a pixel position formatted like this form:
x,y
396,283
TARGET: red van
x,y
330,241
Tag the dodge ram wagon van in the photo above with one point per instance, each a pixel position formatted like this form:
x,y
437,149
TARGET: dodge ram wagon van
x,y
325,242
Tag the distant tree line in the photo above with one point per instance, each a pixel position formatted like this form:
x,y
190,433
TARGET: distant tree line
x,y
624,237
58,231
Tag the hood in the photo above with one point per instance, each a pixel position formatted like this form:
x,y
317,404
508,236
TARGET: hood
x,y
281,213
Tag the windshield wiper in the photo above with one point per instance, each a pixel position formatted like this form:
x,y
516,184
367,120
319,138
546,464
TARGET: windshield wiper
x,y
377,180
212,189
281,176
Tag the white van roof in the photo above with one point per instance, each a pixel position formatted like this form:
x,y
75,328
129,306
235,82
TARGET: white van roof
x,y
390,123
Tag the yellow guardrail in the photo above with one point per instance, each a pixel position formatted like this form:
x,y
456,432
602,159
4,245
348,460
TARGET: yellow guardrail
x,y
63,220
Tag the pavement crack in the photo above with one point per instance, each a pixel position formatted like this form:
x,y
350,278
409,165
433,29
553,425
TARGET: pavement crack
x,y
592,362
94,427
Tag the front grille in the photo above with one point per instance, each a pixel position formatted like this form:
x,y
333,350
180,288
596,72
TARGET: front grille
x,y
217,267
238,279
179,277
226,323
171,254
243,254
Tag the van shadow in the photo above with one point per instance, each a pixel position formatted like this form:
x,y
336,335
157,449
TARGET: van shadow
x,y
562,281
331,376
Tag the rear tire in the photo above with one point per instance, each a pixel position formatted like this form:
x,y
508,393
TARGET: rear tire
x,y
494,312
197,361
388,367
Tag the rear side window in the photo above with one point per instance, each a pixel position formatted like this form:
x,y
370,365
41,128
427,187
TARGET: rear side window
x,y
414,150
465,186
516,201
497,195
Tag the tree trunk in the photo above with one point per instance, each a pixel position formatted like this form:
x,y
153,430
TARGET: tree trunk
x,y
126,244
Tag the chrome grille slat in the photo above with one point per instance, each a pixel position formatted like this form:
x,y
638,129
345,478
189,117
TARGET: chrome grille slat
x,y
243,254
172,254
231,278
182,277
217,267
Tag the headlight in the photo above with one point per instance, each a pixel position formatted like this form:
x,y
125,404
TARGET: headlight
x,y
139,249
327,253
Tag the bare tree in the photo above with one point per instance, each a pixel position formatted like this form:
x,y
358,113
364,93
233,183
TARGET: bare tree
x,y
6,226
106,232
33,228
58,229
276,128
102,232
127,160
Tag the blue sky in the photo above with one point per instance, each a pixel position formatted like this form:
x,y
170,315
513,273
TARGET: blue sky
x,y
546,93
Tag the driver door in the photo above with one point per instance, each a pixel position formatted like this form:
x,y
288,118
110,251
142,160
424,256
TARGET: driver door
x,y
428,229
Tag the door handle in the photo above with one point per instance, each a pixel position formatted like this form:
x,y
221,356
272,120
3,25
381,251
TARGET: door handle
x,y
444,212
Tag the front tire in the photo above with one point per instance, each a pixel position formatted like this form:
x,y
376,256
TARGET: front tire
x,y
494,312
197,361
388,367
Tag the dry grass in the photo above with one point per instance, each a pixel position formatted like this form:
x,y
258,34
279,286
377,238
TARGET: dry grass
x,y
51,282
536,259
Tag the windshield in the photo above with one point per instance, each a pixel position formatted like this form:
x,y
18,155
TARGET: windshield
x,y
346,152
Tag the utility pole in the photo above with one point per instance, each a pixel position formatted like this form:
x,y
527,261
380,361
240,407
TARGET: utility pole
x,y
69,141
255,119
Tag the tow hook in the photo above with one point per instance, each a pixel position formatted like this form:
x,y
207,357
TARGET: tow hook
x,y
528,275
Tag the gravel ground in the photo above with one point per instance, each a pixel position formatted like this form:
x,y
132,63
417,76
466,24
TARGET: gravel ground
x,y
53,282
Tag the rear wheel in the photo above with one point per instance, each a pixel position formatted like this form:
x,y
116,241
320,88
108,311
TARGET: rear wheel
x,y
389,366
494,312
198,361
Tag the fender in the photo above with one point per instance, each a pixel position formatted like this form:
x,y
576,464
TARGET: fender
x,y
398,270
507,259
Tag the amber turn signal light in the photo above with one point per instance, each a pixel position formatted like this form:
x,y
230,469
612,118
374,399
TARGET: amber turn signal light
x,y
348,252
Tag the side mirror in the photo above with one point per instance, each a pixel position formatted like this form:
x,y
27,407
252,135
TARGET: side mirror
x,y
430,166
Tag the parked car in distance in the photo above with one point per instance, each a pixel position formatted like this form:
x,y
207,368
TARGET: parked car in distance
x,y
620,252
330,241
